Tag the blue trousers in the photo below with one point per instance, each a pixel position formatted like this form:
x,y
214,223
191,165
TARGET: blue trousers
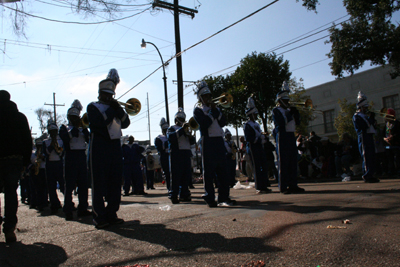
x,y
133,177
214,165
75,175
164,159
10,173
367,150
231,171
54,174
40,188
106,170
149,178
286,152
260,166
181,172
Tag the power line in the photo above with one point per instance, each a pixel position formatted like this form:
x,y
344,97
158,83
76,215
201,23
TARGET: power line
x,y
75,22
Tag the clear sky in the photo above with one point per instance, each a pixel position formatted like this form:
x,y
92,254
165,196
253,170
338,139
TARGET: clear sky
x,y
71,59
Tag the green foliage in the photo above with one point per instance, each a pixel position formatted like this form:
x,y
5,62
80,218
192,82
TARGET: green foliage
x,y
344,120
260,75
370,35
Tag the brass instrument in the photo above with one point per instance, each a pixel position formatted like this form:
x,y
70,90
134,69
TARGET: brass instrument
x,y
191,126
308,104
383,113
225,100
132,106
233,150
84,121
38,160
56,146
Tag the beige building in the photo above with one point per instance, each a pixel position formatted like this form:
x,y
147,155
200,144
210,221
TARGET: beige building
x,y
375,83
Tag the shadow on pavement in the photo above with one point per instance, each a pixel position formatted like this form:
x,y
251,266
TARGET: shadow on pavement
x,y
186,243
37,254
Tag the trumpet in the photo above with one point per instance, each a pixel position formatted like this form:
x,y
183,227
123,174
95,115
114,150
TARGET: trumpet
x,y
225,100
308,104
132,106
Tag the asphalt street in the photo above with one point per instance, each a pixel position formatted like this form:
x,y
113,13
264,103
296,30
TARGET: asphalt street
x,y
268,229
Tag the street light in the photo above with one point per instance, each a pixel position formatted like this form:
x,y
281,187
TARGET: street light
x,y
143,45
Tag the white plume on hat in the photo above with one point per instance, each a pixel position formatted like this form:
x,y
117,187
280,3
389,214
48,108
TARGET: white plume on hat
x,y
164,124
76,108
202,89
284,93
251,106
51,125
180,114
113,75
361,100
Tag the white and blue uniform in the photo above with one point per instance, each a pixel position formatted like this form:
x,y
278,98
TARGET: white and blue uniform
x,y
231,163
365,130
54,170
285,125
105,158
253,136
75,143
213,152
180,161
132,154
161,144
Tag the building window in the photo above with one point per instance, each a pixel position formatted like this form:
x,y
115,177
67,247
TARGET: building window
x,y
329,116
392,102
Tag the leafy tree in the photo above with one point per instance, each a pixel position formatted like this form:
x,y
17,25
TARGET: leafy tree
x,y
260,75
370,35
344,121
43,115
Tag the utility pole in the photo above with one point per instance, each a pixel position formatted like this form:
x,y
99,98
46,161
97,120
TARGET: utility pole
x,y
177,9
148,116
54,105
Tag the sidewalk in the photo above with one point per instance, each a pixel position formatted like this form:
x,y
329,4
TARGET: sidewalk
x,y
275,229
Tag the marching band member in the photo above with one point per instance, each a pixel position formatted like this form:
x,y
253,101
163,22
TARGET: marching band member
x,y
53,148
392,139
231,149
132,154
211,120
38,176
180,158
75,139
106,119
148,163
365,129
285,120
254,139
161,144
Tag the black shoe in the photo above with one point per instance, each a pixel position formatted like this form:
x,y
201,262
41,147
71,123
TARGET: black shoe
x,y
212,204
185,199
54,210
174,200
296,190
191,187
116,221
84,213
141,193
286,192
264,191
126,194
10,236
101,225
69,216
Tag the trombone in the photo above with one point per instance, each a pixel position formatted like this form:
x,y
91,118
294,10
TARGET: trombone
x,y
383,113
308,104
132,106
191,126
225,100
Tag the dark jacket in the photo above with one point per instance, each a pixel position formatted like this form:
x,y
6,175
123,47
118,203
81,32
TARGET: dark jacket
x,y
15,135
